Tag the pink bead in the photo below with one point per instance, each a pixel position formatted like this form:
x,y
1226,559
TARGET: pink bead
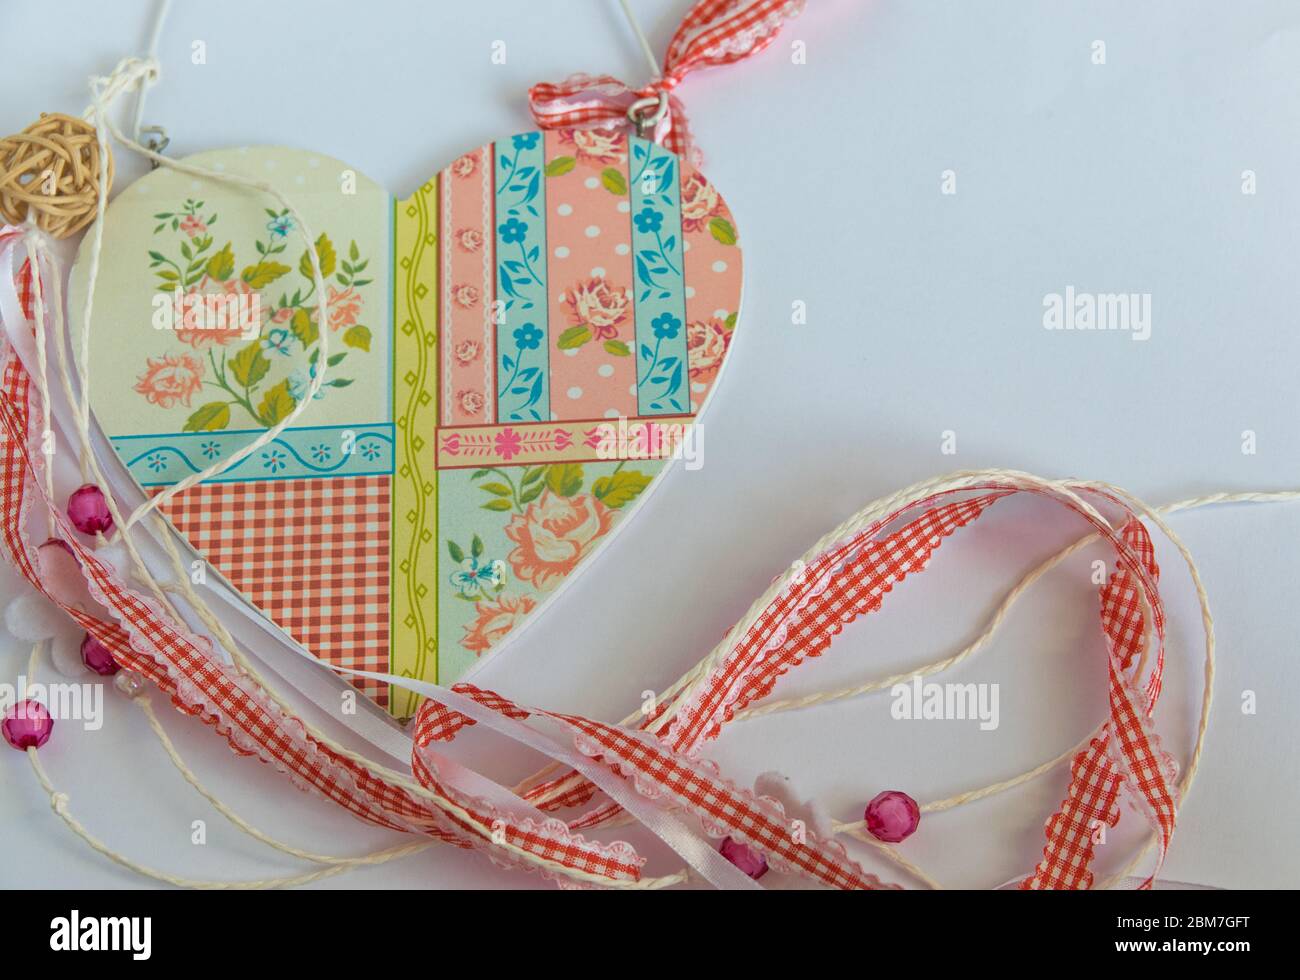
x,y
892,816
744,857
27,725
96,656
88,510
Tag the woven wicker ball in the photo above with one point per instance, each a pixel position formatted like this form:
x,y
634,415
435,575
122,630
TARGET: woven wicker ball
x,y
51,170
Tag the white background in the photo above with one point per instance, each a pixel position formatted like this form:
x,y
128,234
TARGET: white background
x,y
924,315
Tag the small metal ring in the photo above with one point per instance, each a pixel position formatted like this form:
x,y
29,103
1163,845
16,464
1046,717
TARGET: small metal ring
x,y
645,124
158,140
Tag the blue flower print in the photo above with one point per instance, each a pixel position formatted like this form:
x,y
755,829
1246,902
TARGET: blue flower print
x,y
369,450
320,452
475,576
273,460
276,341
525,141
513,231
300,383
210,449
156,462
666,326
528,337
649,221
280,226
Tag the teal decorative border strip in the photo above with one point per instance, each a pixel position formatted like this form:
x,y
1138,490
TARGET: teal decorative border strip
x,y
660,288
160,460
523,367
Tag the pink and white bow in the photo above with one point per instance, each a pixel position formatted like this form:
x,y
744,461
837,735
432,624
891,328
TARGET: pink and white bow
x,y
713,33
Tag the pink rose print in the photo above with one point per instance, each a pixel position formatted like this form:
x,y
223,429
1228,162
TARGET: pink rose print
x,y
602,307
218,311
706,345
344,307
465,296
553,535
467,352
465,166
206,318
172,379
471,402
699,203
469,239
495,619
602,146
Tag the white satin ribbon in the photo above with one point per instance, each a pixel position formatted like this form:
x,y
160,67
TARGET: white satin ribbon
x,y
689,844
386,737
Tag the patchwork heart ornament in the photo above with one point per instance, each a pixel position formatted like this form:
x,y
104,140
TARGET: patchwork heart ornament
x,y
513,353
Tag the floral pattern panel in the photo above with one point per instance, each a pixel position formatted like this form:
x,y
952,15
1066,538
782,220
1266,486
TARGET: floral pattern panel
x,y
510,354
511,537
467,330
658,248
712,257
593,374
247,336
523,369
218,328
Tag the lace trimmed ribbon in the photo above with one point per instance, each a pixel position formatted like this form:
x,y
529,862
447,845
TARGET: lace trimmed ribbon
x,y
713,33
651,772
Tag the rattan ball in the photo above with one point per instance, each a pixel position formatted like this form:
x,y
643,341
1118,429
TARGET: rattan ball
x,y
51,172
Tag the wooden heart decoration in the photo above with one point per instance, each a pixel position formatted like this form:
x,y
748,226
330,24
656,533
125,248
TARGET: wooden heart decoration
x,y
514,352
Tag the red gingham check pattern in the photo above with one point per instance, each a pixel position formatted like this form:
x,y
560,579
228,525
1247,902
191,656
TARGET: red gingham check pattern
x,y
579,795
856,590
435,722
719,32
26,291
311,554
1096,780
234,705
1125,753
244,714
594,817
551,841
713,33
639,757
1125,740
1091,805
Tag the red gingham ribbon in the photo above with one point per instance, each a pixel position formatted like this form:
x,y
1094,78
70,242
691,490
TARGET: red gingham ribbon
x,y
815,611
144,639
9,235
680,783
1125,747
1125,753
847,580
713,33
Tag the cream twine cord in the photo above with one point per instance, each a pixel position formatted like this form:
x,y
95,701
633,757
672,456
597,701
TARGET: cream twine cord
x,y
129,74
132,73
684,688
642,41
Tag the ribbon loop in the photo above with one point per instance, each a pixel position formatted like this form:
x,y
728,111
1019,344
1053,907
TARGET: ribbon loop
x,y
713,33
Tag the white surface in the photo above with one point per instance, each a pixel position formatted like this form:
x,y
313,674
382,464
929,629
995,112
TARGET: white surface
x,y
924,315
